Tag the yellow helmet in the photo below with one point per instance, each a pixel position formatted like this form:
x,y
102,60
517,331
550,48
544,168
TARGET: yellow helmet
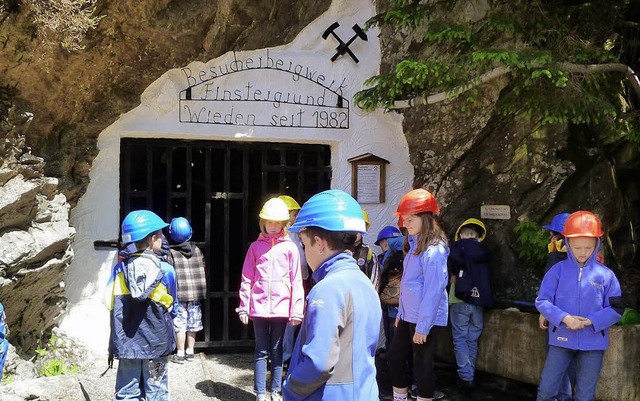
x,y
472,222
275,210
367,223
290,202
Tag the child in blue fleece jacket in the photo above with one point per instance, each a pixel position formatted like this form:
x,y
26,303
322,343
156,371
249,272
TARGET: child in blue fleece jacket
x,y
581,299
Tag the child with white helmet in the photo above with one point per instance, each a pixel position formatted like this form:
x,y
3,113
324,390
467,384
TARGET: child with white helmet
x,y
271,294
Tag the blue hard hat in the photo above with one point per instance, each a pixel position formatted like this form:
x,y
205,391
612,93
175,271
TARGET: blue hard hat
x,y
387,232
557,223
180,230
140,223
332,210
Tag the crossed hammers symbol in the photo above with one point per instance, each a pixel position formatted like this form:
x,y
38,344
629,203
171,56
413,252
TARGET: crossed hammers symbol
x,y
343,47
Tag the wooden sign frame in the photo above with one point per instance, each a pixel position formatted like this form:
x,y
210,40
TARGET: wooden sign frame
x,y
368,178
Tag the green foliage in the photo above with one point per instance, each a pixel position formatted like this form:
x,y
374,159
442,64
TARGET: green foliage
x,y
57,367
542,47
531,244
50,365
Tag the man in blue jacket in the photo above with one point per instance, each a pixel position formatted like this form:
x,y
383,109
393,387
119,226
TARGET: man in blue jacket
x,y
581,299
333,358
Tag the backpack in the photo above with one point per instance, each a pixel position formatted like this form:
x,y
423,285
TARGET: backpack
x,y
391,277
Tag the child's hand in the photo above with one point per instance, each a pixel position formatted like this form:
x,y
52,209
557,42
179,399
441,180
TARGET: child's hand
x,y
573,322
244,318
543,323
419,338
295,322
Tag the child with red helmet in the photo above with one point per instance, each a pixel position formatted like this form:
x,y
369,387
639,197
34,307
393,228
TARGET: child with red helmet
x,y
581,298
423,306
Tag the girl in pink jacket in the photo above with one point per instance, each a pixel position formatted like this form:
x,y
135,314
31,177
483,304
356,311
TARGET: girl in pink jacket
x,y
271,294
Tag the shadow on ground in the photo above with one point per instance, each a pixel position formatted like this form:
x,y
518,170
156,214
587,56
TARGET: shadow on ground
x,y
207,387
227,392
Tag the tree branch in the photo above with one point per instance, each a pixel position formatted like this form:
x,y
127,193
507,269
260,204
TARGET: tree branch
x,y
584,69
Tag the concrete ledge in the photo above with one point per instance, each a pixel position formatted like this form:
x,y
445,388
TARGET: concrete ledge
x,y
514,347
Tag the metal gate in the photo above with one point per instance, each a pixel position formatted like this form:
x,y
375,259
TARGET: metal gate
x,y
220,187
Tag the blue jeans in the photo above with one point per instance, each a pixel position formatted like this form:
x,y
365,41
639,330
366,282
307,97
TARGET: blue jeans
x,y
142,379
587,364
565,392
287,342
466,327
269,335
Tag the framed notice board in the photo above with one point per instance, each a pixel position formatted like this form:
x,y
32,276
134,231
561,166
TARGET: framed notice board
x,y
368,178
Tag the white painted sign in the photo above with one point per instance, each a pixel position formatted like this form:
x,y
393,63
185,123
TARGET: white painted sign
x,y
263,90
368,183
496,212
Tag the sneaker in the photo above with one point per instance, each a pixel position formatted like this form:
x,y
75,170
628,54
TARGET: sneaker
x,y
261,397
176,359
438,395
276,397
465,385
189,357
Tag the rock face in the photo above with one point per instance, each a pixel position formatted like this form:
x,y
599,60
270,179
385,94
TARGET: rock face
x,y
476,157
66,98
35,239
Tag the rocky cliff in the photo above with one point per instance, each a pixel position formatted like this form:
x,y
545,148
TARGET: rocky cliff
x,y
57,102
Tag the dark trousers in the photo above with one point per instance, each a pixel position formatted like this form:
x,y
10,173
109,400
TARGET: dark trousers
x,y
402,347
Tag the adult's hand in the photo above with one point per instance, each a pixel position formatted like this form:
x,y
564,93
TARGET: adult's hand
x,y
244,318
295,322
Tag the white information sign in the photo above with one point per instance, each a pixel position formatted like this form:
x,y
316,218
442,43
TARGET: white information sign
x,y
368,183
496,212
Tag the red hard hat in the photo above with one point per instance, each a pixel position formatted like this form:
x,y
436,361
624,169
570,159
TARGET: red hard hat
x,y
582,224
417,201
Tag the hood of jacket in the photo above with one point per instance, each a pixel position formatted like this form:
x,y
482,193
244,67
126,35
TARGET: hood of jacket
x,y
590,261
185,248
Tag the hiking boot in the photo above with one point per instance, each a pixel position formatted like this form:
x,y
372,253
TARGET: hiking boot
x,y
177,359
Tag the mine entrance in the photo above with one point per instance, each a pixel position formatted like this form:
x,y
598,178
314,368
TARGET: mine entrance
x,y
219,186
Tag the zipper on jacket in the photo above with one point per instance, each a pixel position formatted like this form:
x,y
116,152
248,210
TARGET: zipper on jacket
x,y
579,302
269,273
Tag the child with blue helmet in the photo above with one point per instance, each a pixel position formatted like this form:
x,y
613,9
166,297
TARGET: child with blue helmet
x,y
334,355
188,261
142,296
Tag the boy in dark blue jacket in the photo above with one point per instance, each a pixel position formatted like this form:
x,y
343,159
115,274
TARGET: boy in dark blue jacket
x,y
470,293
581,299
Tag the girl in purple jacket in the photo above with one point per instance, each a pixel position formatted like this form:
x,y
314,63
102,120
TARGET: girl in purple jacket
x,y
271,294
580,298
423,306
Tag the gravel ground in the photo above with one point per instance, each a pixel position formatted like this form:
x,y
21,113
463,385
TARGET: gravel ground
x,y
229,377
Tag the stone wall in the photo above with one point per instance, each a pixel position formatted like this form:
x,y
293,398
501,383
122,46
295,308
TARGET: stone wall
x,y
35,237
513,346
